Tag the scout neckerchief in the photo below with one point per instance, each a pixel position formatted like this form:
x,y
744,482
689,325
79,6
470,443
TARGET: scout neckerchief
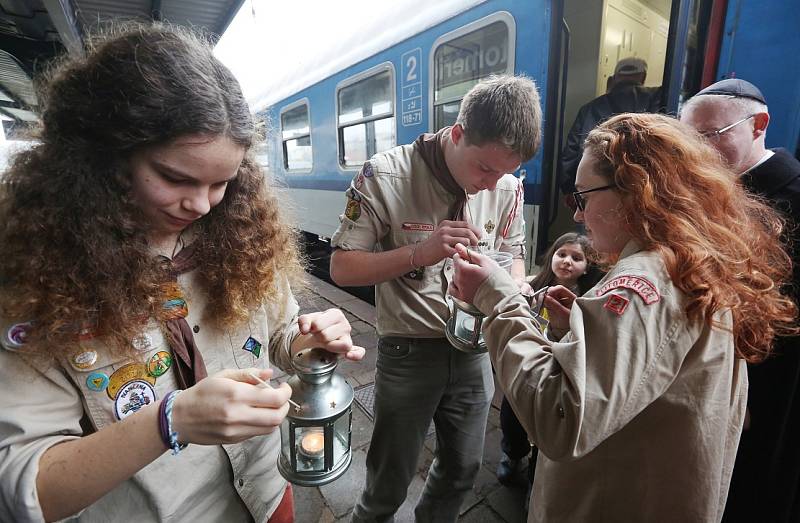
x,y
431,148
189,366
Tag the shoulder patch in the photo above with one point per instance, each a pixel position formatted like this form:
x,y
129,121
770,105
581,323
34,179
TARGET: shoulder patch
x,y
616,304
641,286
367,170
353,210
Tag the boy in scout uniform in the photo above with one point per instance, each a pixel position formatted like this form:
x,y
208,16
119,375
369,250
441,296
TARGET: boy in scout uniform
x,y
405,211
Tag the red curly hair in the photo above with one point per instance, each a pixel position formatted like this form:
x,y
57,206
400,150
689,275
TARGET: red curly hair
x,y
720,245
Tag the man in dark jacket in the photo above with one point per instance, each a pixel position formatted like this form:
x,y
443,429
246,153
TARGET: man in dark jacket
x,y
626,94
765,486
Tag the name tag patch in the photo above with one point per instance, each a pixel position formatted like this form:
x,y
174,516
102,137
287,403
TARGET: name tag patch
x,y
412,226
641,286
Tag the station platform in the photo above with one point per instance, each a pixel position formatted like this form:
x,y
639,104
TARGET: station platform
x,y
489,501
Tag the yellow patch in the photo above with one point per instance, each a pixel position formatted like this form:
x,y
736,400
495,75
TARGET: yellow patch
x,y
353,210
129,372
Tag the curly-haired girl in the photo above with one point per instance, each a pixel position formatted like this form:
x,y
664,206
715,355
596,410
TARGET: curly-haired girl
x,y
144,254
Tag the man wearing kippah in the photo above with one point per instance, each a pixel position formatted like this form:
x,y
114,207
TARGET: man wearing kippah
x,y
626,94
732,114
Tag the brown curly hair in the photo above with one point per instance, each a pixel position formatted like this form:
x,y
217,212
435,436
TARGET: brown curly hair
x,y
74,248
720,245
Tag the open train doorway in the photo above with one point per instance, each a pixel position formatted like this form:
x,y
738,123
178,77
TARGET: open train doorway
x,y
601,34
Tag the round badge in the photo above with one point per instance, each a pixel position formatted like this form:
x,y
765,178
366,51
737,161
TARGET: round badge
x,y
159,363
132,397
97,381
129,372
142,342
84,360
17,334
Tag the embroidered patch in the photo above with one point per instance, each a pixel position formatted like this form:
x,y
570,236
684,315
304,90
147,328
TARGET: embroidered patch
x,y
125,374
353,210
489,227
252,345
367,170
641,286
97,381
142,342
616,303
159,363
84,360
412,226
17,335
416,274
132,397
353,194
359,181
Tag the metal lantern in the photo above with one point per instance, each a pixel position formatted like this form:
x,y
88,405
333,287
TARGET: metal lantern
x,y
315,436
464,327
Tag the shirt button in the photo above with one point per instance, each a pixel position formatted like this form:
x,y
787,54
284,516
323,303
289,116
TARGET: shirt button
x,y
196,329
241,482
560,414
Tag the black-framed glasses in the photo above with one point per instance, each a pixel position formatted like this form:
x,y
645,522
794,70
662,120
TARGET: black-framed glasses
x,y
719,132
580,201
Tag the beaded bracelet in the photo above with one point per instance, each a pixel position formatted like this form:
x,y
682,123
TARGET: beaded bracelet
x,y
169,435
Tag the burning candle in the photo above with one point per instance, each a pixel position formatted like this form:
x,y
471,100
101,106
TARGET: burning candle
x,y
312,444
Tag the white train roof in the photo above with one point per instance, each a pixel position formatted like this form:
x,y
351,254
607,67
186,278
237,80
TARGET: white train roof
x,y
278,48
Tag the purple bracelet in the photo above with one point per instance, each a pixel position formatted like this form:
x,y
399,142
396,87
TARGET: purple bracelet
x,y
163,424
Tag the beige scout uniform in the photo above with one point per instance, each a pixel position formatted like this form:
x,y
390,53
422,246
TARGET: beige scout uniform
x,y
395,201
636,411
43,406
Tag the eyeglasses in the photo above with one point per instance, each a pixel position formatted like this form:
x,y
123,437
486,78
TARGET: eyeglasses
x,y
580,201
719,132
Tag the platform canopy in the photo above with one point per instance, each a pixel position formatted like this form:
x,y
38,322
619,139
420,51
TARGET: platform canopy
x,y
34,31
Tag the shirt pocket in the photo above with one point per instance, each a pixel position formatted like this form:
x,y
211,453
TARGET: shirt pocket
x,y
416,278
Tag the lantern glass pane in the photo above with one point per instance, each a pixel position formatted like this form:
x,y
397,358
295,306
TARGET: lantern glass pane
x,y
465,326
286,445
341,437
310,448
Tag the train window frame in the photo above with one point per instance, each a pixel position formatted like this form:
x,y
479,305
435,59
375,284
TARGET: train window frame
x,y
476,25
349,82
284,154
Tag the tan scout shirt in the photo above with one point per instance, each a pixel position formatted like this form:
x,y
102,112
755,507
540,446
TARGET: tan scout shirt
x,y
395,201
636,411
43,406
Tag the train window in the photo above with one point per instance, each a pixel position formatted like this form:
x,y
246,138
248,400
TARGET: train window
x,y
296,137
365,116
463,58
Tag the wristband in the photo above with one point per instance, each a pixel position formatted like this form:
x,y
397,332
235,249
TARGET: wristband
x,y
168,434
414,266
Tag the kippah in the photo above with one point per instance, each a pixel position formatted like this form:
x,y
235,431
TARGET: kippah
x,y
734,87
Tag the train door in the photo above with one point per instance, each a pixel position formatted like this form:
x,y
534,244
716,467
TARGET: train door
x,y
591,38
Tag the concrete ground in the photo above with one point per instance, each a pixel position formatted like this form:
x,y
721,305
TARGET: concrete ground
x,y
488,502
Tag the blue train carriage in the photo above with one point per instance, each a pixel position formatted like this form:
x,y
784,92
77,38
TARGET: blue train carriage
x,y
324,132
327,127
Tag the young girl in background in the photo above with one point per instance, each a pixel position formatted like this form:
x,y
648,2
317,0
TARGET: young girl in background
x,y
568,264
